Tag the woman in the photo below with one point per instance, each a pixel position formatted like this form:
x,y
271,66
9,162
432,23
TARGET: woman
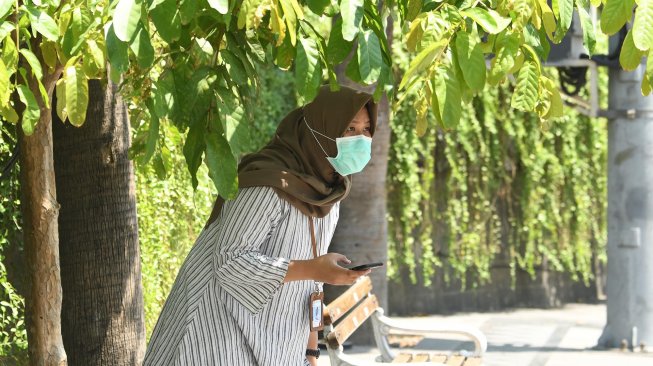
x,y
242,295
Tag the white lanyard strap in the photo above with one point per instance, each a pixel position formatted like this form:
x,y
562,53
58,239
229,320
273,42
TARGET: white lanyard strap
x,y
316,139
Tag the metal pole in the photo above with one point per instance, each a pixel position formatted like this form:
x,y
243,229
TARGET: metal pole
x,y
630,212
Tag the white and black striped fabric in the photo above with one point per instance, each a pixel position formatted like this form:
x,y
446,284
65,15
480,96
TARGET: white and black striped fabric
x,y
229,305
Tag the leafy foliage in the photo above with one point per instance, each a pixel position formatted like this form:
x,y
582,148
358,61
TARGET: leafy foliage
x,y
504,188
500,190
191,63
13,335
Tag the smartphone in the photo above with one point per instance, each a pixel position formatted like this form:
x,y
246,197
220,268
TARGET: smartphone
x,y
363,267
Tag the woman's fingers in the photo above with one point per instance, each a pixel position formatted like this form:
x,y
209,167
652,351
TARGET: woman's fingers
x,y
341,258
334,274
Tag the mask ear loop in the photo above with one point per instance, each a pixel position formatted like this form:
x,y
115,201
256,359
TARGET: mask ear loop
x,y
316,139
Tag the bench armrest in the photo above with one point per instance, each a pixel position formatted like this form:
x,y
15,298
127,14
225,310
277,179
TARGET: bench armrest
x,y
385,325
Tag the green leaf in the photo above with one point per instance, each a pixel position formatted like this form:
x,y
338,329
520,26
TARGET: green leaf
x,y
415,33
9,114
76,93
194,148
222,6
526,93
32,112
43,23
337,48
566,12
125,19
291,20
369,57
5,85
61,100
10,55
556,107
630,57
142,48
236,67
44,94
236,129
537,41
239,46
308,69
414,8
646,87
489,19
423,60
470,57
421,122
49,52
116,51
589,34
5,7
352,71
5,29
166,19
447,89
222,164
615,14
318,6
201,97
352,18
188,11
164,95
33,62
81,22
93,59
374,22
285,54
642,30
152,133
160,167
547,18
504,59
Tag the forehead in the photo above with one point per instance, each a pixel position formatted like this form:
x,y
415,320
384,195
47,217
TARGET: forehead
x,y
361,117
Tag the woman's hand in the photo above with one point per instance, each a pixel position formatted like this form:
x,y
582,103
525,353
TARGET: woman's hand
x,y
325,269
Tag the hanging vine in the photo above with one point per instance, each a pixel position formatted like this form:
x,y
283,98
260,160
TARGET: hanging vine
x,y
500,189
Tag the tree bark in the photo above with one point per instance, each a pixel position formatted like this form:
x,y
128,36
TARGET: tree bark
x,y
40,211
103,315
362,231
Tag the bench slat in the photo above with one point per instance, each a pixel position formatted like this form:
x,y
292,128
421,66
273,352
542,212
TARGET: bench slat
x,y
347,300
455,360
438,358
421,357
403,358
352,321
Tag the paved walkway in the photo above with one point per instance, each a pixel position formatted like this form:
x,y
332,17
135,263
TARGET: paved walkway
x,y
534,337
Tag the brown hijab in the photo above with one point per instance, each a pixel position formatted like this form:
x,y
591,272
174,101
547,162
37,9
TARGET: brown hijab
x,y
294,164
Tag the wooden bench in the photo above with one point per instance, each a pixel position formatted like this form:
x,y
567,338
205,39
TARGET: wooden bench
x,y
346,313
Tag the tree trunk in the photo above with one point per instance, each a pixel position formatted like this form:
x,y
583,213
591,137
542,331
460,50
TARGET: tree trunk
x,y
103,314
362,231
41,239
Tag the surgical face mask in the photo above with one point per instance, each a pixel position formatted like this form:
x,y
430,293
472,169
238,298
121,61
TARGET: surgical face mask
x,y
354,152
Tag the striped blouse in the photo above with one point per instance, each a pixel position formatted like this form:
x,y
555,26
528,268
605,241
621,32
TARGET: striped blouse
x,y
229,305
